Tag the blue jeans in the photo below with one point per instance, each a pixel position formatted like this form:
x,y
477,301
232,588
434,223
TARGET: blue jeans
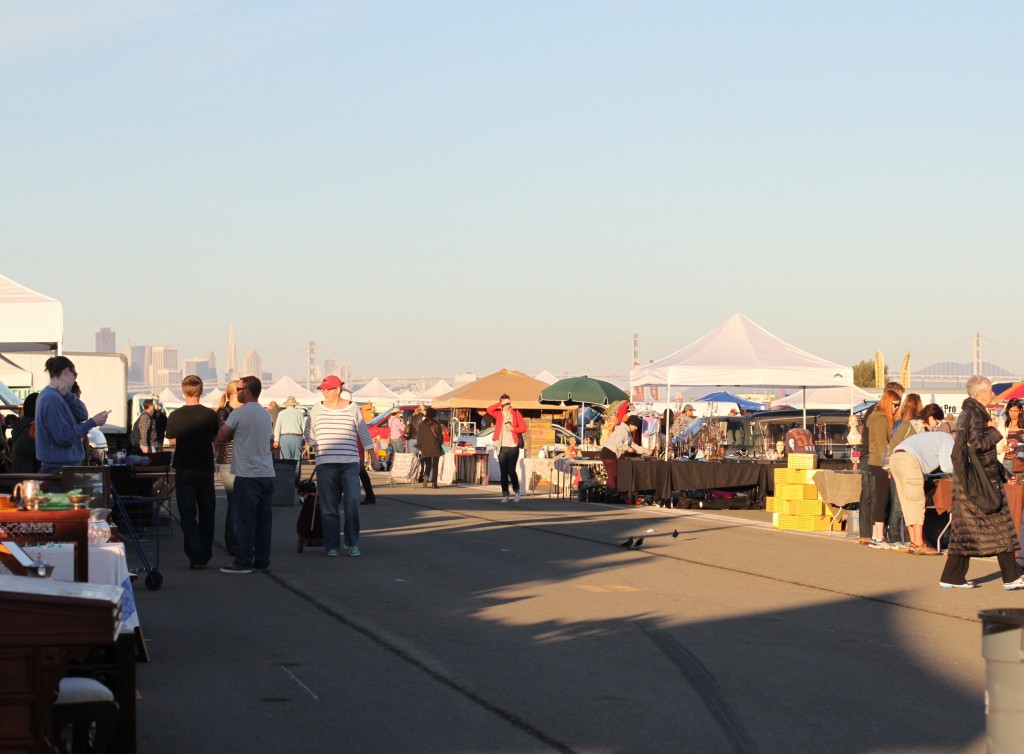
x,y
337,486
197,504
398,444
291,447
253,520
412,445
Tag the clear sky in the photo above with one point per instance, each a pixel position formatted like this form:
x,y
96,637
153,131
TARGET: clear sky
x,y
431,187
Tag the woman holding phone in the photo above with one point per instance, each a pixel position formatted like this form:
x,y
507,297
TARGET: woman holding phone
x,y
509,427
61,421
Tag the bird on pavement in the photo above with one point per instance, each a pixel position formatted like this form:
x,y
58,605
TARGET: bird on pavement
x,y
638,543
627,543
675,534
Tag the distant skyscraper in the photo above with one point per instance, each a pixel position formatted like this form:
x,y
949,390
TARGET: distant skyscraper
x,y
165,359
232,362
201,368
253,363
211,357
330,367
345,373
106,341
140,364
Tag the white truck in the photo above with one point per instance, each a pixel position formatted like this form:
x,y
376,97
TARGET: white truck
x,y
103,378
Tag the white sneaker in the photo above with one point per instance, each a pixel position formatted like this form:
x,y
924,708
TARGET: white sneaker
x,y
505,499
1017,584
517,498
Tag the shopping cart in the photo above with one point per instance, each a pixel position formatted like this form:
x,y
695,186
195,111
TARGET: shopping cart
x,y
146,492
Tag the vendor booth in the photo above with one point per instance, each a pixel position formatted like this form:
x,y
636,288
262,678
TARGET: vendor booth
x,y
739,353
466,401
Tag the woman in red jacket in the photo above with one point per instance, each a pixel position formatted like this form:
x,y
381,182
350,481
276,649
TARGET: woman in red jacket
x,y
509,427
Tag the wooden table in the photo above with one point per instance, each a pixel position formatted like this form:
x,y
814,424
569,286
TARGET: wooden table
x,y
31,527
47,624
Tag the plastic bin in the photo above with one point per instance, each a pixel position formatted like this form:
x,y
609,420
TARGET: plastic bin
x,y
1002,645
285,493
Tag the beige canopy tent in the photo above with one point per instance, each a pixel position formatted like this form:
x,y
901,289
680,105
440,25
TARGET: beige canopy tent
x,y
521,388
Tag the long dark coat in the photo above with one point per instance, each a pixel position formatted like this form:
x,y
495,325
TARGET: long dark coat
x,y
429,435
976,534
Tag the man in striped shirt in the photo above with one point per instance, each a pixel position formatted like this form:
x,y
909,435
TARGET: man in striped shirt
x,y
335,427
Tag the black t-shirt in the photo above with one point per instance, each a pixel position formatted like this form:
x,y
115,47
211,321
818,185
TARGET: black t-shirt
x,y
194,429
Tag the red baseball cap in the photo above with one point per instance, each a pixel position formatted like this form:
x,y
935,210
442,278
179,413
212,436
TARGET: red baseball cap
x,y
330,381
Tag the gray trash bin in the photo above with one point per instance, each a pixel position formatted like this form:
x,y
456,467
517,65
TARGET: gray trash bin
x,y
1002,646
284,482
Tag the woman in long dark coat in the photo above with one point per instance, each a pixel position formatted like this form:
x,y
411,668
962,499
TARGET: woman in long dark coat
x,y
976,534
430,435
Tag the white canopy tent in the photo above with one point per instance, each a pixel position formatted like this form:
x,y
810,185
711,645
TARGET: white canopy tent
x,y
376,393
741,353
169,399
546,376
825,397
285,388
212,398
29,321
438,388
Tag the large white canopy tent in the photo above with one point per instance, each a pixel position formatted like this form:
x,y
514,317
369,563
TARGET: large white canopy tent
x,y
376,393
741,353
285,388
438,388
29,321
825,397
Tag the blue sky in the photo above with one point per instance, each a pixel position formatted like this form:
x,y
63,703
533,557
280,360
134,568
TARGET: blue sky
x,y
437,187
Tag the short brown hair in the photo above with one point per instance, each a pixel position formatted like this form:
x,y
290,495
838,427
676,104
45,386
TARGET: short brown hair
x,y
252,384
192,386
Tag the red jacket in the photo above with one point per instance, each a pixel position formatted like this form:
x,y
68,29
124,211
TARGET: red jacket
x,y
518,423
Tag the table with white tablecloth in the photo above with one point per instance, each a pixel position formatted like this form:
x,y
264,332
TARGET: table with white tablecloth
x,y
107,565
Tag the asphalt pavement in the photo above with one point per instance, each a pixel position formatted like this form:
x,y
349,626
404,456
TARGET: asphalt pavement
x,y
472,626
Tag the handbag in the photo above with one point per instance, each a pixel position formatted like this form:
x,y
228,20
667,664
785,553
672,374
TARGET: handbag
x,y
975,482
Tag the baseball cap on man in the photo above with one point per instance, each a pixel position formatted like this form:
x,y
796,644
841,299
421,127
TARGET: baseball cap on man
x,y
330,381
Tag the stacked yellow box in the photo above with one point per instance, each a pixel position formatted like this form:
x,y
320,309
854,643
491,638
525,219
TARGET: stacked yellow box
x,y
797,504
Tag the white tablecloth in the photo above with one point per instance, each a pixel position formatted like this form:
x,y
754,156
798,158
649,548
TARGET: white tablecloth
x,y
107,565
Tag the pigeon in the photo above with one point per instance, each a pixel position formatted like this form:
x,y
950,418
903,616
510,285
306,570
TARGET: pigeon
x,y
638,543
627,543
675,534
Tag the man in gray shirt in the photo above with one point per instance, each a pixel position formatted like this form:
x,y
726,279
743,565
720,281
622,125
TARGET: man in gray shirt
x,y
249,428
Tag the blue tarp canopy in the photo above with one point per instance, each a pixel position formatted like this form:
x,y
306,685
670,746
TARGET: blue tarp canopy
x,y
724,396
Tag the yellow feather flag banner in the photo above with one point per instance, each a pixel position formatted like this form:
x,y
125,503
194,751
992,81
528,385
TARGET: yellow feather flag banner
x,y
879,370
905,372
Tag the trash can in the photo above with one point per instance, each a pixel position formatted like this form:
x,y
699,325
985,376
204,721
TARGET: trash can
x,y
1002,646
285,492
853,522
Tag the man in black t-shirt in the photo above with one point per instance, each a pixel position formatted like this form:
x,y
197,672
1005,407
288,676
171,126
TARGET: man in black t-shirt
x,y
191,430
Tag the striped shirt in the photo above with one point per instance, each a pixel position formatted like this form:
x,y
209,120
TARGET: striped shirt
x,y
336,433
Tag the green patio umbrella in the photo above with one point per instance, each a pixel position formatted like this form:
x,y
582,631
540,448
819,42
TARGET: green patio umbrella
x,y
581,390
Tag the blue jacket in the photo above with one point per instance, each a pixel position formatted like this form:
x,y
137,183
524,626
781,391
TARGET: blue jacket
x,y
59,432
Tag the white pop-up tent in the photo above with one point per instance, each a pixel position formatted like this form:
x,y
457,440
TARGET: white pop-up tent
x,y
825,397
286,388
29,321
376,393
741,353
438,388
